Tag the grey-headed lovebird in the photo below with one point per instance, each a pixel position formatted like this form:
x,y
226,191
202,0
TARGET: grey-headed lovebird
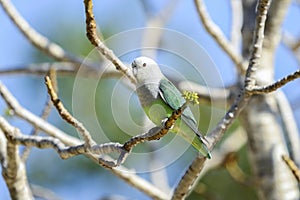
x,y
159,98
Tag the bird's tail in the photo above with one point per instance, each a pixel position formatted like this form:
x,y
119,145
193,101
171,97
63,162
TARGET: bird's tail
x,y
199,142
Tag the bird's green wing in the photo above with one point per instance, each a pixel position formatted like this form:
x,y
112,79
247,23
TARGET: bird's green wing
x,y
170,94
173,98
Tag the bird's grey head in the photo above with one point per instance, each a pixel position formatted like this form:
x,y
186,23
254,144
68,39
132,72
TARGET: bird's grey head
x,y
146,70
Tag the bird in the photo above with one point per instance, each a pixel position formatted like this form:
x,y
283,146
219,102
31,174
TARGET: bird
x,y
159,97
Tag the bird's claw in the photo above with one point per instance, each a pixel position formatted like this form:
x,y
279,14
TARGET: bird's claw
x,y
163,122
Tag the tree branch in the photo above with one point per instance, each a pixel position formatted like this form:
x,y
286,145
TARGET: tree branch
x,y
278,84
219,37
91,34
262,10
66,115
292,166
45,113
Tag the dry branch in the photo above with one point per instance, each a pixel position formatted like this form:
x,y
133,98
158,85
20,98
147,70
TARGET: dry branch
x,y
278,84
219,36
293,167
91,34
66,115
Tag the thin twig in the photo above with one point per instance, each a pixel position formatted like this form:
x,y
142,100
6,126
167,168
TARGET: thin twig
x,y
219,37
66,115
44,115
91,34
293,167
241,100
41,69
262,10
278,84
103,69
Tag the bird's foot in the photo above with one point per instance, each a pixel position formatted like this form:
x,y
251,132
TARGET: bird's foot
x,y
163,123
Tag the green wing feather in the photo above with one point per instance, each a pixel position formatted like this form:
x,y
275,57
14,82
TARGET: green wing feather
x,y
172,97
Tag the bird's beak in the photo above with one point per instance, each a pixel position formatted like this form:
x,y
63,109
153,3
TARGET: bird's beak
x,y
134,68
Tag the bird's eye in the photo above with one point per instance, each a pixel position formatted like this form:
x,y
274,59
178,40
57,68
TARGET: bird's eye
x,y
144,64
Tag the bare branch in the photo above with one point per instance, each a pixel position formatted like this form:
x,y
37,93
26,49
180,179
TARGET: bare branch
x,y
219,37
66,115
41,69
262,10
38,40
44,115
278,84
293,167
66,69
184,186
100,46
